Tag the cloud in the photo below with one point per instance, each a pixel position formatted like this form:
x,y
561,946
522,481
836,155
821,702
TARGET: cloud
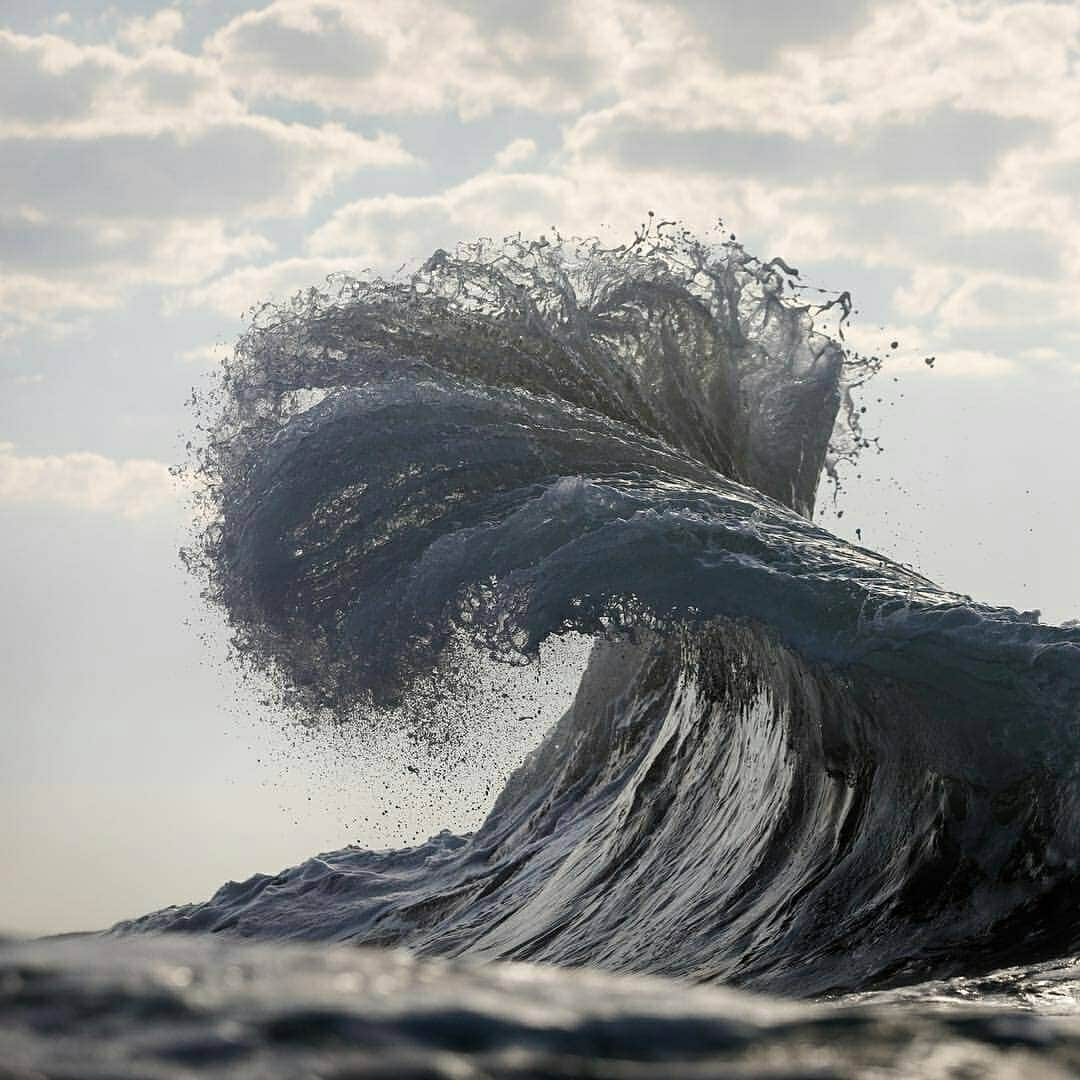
x,y
388,230
152,31
300,43
85,481
382,234
514,153
944,146
970,363
254,168
173,251
127,170
414,55
88,267
43,79
235,293
915,345
744,35
932,142
929,230
53,86
989,301
206,354
896,63
1042,353
31,303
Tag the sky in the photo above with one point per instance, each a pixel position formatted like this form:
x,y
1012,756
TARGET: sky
x,y
163,169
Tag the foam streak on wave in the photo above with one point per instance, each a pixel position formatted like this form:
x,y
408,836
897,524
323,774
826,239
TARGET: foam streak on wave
x,y
791,763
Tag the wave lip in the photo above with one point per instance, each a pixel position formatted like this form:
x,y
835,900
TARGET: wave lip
x,y
791,764
364,435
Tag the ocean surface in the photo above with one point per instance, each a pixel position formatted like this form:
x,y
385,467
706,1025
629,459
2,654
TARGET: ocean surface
x,y
791,766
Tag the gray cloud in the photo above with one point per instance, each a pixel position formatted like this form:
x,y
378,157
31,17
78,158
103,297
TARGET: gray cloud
x,y
47,246
555,50
748,35
30,93
1022,252
334,50
1001,304
926,231
222,171
535,18
945,146
229,169
171,88
67,249
468,55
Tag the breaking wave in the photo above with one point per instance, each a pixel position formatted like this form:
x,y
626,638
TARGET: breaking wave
x,y
791,764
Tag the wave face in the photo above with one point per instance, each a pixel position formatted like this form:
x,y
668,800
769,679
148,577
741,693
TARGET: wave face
x,y
791,764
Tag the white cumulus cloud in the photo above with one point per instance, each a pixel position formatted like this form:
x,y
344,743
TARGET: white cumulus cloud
x,y
86,481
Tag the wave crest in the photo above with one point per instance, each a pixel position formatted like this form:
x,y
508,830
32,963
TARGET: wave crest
x,y
794,764
363,435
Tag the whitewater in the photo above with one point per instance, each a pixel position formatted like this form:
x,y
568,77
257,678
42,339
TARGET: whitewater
x,y
791,766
